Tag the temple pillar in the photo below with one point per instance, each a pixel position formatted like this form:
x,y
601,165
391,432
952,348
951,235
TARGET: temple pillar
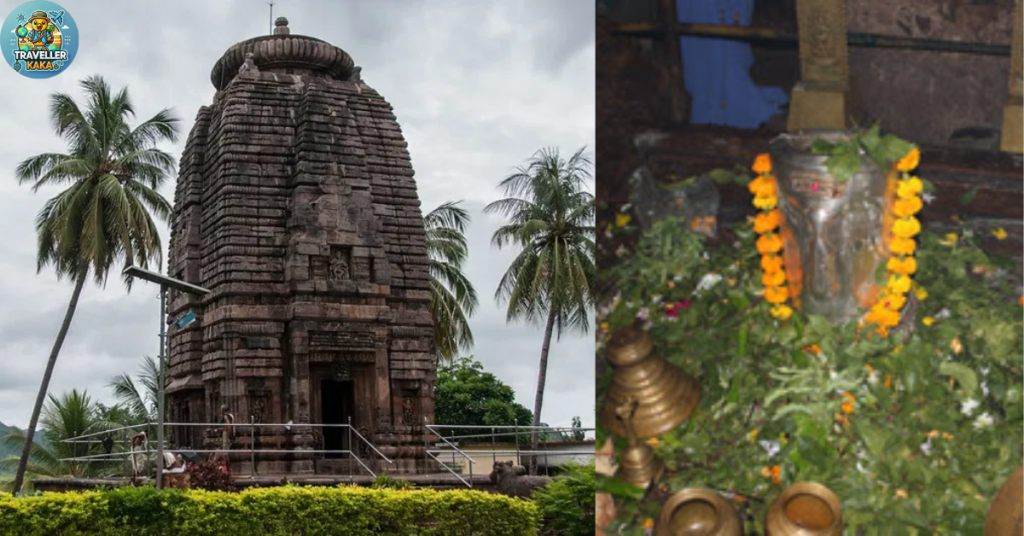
x,y
819,99
1012,139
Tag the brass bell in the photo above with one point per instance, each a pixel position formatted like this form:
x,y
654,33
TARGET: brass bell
x,y
1006,513
698,512
638,464
805,509
665,395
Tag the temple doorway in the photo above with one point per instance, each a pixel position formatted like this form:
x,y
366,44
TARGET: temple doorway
x,y
337,406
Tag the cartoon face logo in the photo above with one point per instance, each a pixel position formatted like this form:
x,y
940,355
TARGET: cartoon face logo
x,y
39,21
39,39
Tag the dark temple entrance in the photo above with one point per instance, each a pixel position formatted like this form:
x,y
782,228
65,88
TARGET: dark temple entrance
x,y
337,406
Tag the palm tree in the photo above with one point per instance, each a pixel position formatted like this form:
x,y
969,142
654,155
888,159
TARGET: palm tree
x,y
112,173
452,296
140,400
551,217
73,414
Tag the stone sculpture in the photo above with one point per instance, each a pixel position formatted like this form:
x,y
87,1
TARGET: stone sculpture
x,y
512,480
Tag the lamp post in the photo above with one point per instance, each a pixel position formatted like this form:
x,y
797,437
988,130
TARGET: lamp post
x,y
181,286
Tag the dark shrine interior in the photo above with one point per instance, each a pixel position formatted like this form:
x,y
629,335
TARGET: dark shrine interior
x,y
950,103
337,407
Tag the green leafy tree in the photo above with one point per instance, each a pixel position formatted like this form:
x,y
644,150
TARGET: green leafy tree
x,y
551,218
73,414
452,296
112,174
140,399
465,394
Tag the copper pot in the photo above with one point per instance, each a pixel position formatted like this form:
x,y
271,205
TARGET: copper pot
x,y
805,509
698,512
1006,513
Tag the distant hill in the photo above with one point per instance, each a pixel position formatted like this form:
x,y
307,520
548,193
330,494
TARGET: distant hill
x,y
4,451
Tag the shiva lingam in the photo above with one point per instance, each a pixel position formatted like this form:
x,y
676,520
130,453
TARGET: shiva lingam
x,y
1006,513
638,465
835,232
664,395
698,512
805,509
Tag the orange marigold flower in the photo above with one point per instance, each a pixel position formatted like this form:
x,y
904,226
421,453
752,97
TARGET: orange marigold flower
x,y
871,370
648,524
776,474
773,279
907,207
773,263
776,295
906,227
894,302
909,188
769,243
814,348
766,203
904,266
767,221
902,246
883,316
762,164
888,381
782,312
763,186
739,498
848,407
910,161
899,284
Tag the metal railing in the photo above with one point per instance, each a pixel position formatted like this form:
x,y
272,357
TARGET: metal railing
x,y
454,452
114,456
445,451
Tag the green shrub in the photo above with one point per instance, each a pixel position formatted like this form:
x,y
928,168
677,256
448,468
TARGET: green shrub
x,y
386,481
288,510
567,503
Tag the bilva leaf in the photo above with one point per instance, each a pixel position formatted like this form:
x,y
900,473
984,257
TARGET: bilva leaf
x,y
966,377
969,196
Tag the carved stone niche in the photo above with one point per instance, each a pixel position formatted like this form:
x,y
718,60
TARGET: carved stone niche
x,y
340,264
411,407
259,398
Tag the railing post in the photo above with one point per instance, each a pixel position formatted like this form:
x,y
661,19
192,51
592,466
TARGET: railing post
x,y
252,446
426,447
494,445
516,423
350,455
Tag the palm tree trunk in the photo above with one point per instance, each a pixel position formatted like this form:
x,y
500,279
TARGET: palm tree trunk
x,y
542,377
19,478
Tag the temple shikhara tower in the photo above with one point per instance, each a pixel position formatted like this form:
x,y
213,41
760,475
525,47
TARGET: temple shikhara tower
x,y
296,206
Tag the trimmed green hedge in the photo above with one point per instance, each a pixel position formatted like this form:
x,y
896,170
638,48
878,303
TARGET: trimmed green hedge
x,y
289,510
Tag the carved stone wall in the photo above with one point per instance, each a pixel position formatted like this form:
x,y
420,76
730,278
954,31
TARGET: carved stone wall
x,y
296,206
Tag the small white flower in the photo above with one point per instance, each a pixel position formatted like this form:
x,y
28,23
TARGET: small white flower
x,y
644,313
944,313
983,421
656,299
926,447
708,281
621,251
968,233
629,305
873,378
968,406
928,198
678,278
771,447
626,207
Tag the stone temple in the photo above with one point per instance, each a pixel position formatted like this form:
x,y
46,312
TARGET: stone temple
x,y
296,206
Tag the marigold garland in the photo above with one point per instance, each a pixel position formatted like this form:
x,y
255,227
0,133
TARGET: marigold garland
x,y
769,245
885,313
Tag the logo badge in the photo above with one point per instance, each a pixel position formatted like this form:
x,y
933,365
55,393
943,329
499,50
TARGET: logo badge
x,y
39,39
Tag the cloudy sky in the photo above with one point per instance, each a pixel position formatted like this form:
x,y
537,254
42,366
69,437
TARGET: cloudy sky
x,y
478,86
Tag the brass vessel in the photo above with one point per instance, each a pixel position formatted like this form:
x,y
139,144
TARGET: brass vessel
x,y
638,465
805,509
698,512
665,395
1006,513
